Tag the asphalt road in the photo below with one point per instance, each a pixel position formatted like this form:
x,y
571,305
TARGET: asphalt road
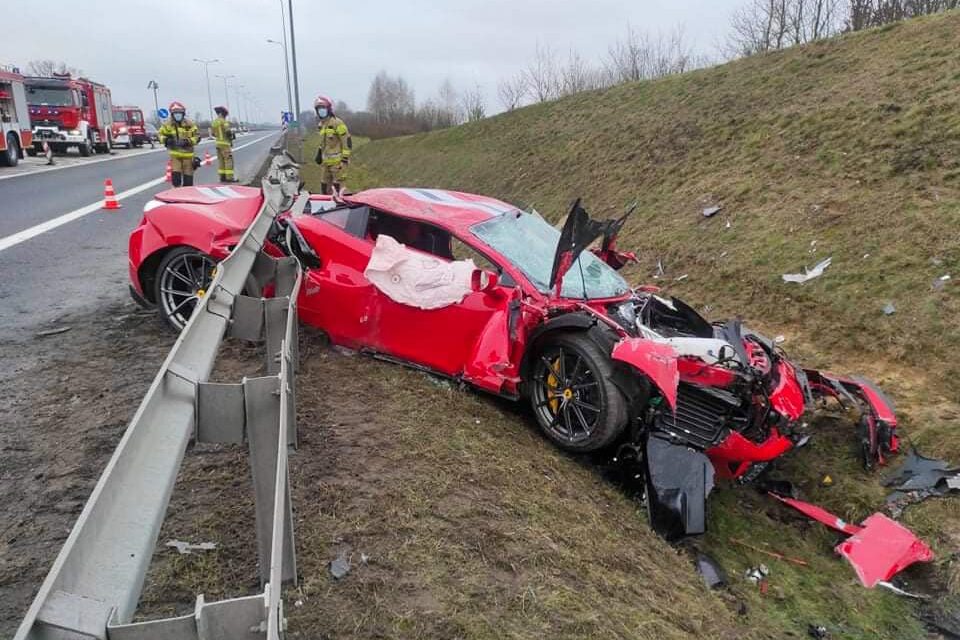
x,y
46,272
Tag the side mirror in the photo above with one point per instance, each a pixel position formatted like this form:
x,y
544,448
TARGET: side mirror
x,y
484,280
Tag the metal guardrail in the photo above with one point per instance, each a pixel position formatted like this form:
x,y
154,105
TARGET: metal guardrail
x,y
96,580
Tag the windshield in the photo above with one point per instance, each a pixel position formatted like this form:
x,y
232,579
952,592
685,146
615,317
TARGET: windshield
x,y
530,243
51,96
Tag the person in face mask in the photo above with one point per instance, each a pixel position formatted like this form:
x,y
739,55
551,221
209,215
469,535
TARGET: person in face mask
x,y
335,146
180,135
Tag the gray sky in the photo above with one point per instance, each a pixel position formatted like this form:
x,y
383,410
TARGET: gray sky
x,y
340,45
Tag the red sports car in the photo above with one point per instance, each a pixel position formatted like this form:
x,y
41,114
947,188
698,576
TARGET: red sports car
x,y
475,289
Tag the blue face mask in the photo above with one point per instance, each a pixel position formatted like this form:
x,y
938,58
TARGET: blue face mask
x,y
178,117
322,113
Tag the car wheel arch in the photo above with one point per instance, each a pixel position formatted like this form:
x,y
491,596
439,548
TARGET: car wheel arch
x,y
147,272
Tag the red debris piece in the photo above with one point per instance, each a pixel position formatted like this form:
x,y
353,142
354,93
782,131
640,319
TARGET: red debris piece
x,y
882,549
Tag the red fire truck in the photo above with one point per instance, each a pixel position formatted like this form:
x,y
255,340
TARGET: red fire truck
x,y
128,129
70,112
15,135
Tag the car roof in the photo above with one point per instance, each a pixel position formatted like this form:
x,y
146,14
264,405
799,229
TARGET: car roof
x,y
453,210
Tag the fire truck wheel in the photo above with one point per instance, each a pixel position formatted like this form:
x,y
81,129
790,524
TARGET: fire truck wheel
x,y
86,148
12,155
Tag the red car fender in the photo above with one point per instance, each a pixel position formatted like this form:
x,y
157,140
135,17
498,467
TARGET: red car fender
x,y
655,360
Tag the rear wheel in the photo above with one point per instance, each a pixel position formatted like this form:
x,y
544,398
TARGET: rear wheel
x,y
11,156
86,149
182,279
575,403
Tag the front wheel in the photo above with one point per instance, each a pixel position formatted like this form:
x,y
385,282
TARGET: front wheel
x,y
572,394
11,156
86,149
183,278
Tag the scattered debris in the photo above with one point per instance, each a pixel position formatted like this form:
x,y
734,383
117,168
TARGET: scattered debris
x,y
344,351
709,212
772,554
889,309
53,332
780,339
187,548
298,603
813,246
364,558
660,270
818,631
727,225
827,481
757,574
866,255
900,592
939,282
711,571
808,274
681,278
919,478
878,549
340,567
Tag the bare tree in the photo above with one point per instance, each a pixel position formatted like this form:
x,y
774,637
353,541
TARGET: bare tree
x,y
541,74
47,68
640,56
512,91
863,14
390,99
448,108
768,25
474,105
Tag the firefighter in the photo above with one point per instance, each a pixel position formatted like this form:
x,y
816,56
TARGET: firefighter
x,y
335,146
224,136
180,135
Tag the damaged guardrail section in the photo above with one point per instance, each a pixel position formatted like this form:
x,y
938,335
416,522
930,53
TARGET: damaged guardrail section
x,y
96,580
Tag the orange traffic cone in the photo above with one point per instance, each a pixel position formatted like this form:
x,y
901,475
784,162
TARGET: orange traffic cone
x,y
109,195
207,159
169,174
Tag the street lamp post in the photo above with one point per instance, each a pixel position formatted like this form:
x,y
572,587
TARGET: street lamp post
x,y
206,71
226,94
293,55
156,103
286,67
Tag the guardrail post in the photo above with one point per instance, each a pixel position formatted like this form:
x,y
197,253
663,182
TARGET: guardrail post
x,y
262,402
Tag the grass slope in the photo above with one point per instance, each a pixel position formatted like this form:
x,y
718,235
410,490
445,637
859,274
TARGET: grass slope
x,y
842,148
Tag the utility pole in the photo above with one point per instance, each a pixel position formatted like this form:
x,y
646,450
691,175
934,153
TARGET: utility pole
x,y
293,55
226,94
286,65
206,72
156,103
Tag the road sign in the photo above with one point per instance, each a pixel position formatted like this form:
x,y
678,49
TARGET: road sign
x,y
288,116
162,113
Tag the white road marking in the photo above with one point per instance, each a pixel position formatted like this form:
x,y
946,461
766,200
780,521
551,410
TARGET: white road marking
x,y
75,161
34,231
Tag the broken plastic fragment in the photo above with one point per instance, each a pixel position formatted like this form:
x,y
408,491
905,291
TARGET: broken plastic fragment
x,y
810,274
711,571
889,309
882,549
709,212
340,567
186,548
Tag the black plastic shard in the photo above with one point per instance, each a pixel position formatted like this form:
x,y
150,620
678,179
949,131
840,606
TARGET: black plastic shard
x,y
679,480
919,478
711,571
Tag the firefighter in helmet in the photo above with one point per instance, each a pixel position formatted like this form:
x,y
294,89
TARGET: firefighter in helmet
x,y
335,146
224,136
180,135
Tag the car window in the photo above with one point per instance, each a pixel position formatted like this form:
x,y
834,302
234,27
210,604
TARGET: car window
x,y
412,233
353,220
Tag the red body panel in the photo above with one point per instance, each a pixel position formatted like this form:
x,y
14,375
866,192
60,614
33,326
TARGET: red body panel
x,y
655,360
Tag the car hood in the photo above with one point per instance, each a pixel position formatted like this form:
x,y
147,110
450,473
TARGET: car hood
x,y
220,210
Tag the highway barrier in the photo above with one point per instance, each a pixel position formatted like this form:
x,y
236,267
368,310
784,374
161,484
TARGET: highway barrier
x,y
96,580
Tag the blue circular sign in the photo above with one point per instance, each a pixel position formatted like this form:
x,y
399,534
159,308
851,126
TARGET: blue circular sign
x,y
162,113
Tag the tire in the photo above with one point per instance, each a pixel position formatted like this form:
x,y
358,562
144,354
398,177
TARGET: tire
x,y
11,156
183,273
574,400
86,149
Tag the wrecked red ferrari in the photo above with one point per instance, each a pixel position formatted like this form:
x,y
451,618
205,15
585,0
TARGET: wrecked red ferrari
x,y
474,289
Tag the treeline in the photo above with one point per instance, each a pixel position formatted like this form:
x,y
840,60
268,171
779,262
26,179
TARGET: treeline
x,y
758,26
769,25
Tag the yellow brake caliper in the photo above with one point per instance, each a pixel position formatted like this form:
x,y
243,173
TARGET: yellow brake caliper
x,y
553,386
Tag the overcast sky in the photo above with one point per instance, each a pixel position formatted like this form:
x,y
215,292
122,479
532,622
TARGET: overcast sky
x,y
340,45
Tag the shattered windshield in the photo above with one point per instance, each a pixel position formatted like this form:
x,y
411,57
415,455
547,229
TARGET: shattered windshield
x,y
530,243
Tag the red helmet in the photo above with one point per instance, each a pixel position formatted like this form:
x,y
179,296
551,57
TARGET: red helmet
x,y
323,101
177,106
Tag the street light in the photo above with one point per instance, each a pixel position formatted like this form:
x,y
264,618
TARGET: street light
x,y
226,95
293,57
156,104
206,71
286,66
